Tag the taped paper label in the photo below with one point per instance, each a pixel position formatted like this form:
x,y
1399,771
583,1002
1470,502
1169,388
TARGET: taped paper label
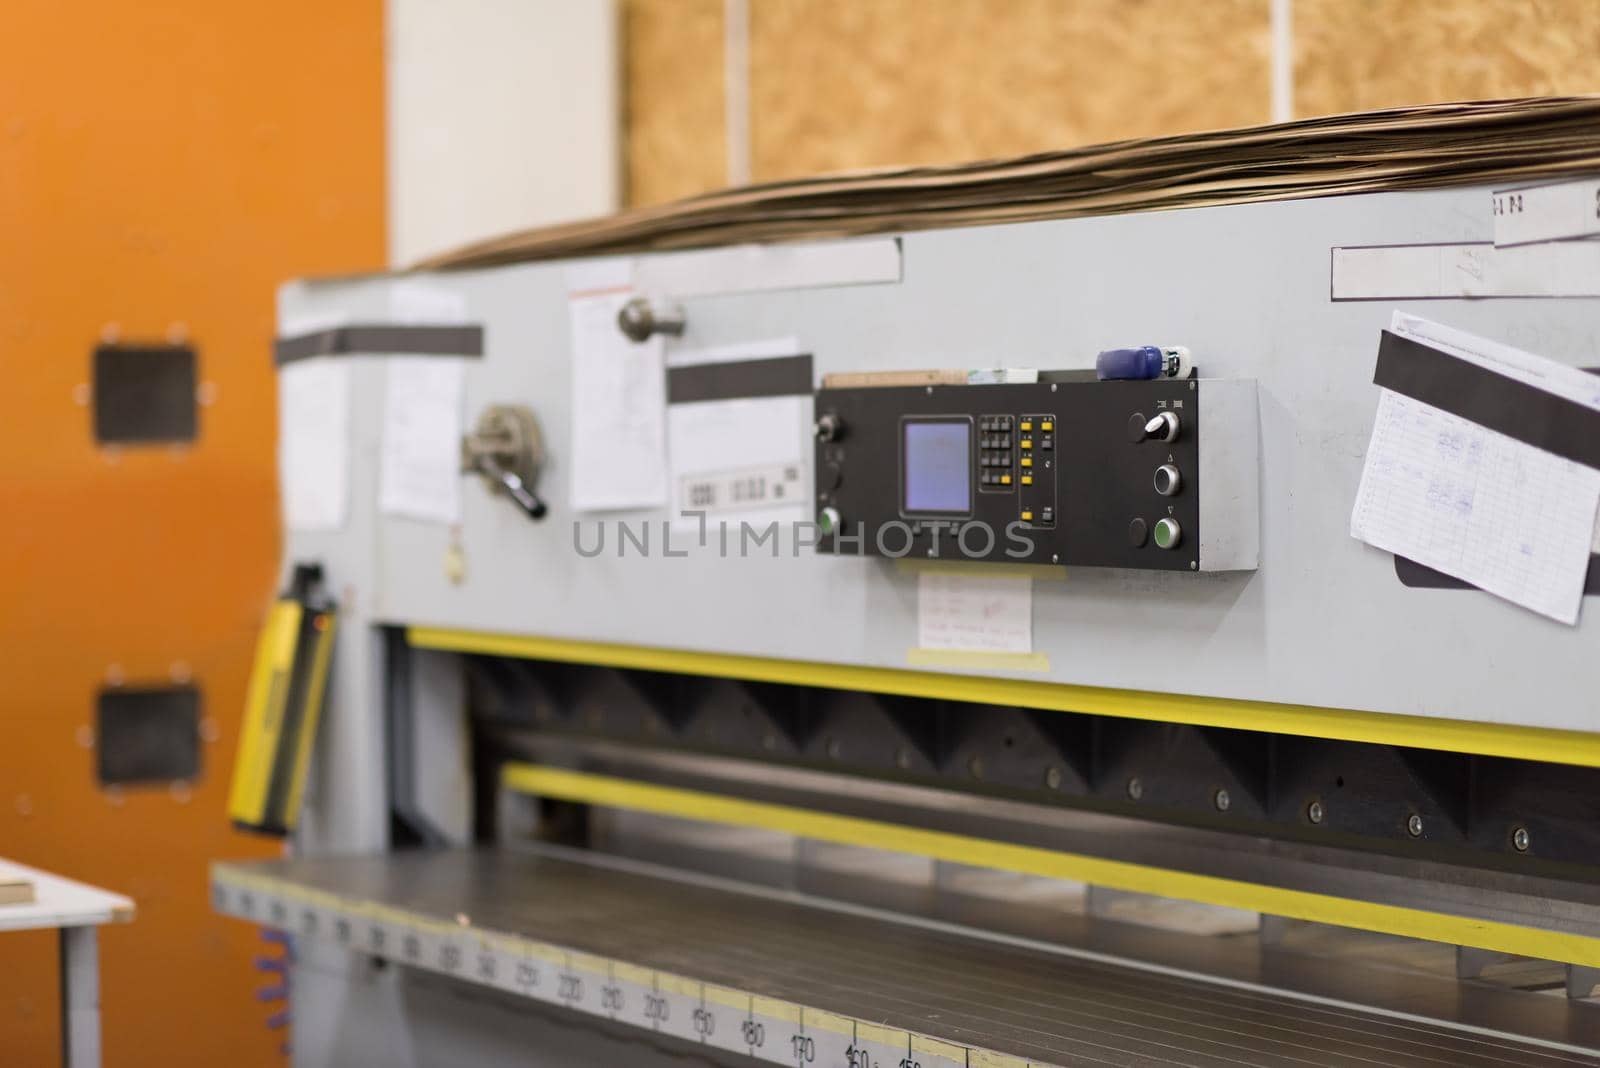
x,y
974,614
1475,269
419,472
313,433
618,398
1552,212
1460,498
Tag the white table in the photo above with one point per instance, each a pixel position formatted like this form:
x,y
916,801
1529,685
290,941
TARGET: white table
x,y
75,909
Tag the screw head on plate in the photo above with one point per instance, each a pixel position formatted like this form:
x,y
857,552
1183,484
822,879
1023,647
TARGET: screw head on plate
x,y
1414,825
1314,812
1222,800
1135,788
1519,838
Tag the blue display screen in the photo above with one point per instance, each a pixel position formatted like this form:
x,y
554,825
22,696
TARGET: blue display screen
x,y
937,461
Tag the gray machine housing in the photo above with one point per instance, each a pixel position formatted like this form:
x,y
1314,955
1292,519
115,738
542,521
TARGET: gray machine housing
x,y
1322,621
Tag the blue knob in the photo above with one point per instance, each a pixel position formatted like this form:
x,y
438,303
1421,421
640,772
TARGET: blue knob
x,y
1147,361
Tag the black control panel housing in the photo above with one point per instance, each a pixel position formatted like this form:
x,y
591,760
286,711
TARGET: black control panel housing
x,y
1060,472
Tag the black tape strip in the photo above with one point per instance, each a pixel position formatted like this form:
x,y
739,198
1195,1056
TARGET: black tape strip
x,y
1502,404
1421,577
778,376
382,340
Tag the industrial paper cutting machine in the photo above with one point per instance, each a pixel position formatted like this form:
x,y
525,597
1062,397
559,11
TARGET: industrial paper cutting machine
x,y
825,667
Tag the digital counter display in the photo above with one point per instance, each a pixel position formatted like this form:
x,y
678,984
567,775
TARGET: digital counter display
x,y
936,466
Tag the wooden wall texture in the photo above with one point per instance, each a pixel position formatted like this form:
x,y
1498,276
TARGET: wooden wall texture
x,y
844,84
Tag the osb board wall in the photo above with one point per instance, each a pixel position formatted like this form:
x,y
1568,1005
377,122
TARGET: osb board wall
x,y
1352,55
841,84
836,84
674,98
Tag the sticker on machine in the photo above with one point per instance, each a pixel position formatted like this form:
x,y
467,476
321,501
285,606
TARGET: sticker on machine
x,y
738,433
964,613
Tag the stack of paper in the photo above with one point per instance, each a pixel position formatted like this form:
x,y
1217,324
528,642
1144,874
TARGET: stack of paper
x,y
1404,148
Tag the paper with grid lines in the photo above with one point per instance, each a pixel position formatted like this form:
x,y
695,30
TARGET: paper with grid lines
x,y
1460,498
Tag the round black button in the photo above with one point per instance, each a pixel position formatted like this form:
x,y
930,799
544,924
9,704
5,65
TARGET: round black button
x,y
1138,533
1136,423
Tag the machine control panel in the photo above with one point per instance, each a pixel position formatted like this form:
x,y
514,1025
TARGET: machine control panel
x,y
1074,471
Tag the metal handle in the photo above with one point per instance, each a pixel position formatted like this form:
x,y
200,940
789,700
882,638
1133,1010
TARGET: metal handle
x,y
641,317
526,499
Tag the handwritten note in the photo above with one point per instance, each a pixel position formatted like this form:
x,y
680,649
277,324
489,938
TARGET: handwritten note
x,y
618,402
1507,517
419,472
974,613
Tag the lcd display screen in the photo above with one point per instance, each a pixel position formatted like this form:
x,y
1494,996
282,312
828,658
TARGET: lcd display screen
x,y
937,463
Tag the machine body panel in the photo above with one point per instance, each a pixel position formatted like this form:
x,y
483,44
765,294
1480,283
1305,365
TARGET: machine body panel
x,y
1323,621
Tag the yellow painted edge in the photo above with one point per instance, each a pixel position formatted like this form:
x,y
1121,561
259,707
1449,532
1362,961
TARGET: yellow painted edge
x,y
1006,856
884,1036
544,951
934,1047
1456,736
982,1058
727,996
817,1020
632,973
587,962
969,660
983,569
677,984
775,1009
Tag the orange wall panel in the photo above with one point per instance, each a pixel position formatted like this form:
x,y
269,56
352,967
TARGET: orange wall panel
x,y
162,165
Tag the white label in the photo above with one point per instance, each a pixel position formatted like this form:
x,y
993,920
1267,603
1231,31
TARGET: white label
x,y
974,613
1474,269
420,472
1505,516
757,268
618,410
744,458
1476,504
1546,212
314,442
